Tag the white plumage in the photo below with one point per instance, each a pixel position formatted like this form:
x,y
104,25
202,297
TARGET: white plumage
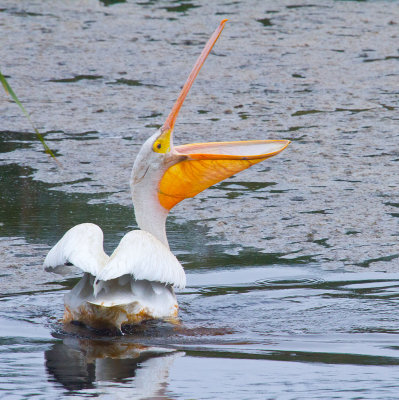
x,y
142,255
81,246
138,277
139,254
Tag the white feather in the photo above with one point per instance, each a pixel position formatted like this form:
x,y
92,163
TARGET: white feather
x,y
146,258
118,300
81,246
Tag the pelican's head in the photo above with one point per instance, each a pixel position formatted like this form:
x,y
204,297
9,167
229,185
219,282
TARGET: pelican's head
x,y
164,174
156,154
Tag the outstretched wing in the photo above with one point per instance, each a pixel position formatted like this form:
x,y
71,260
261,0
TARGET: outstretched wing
x,y
81,246
146,258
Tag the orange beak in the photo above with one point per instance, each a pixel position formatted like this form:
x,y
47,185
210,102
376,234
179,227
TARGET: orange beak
x,y
201,165
170,121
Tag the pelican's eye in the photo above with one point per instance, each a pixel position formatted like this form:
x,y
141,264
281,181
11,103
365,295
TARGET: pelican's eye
x,y
162,144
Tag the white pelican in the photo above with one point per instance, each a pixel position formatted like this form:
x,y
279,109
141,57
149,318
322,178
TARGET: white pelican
x,y
137,281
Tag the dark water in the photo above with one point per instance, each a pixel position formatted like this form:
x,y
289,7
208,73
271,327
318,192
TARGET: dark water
x,y
292,266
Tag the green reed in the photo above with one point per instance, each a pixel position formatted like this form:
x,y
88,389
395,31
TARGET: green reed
x,y
9,91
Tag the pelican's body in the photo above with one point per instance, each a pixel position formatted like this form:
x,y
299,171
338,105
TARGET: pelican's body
x,y
137,281
134,284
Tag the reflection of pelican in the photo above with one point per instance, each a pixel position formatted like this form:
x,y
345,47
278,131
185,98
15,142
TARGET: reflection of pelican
x,y
137,281
83,364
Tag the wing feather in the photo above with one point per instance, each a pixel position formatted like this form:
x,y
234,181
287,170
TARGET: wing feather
x,y
81,246
146,258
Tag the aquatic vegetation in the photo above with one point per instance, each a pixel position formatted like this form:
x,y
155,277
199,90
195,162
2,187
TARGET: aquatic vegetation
x,y
9,91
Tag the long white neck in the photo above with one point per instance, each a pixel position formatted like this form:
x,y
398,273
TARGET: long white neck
x,y
147,171
150,215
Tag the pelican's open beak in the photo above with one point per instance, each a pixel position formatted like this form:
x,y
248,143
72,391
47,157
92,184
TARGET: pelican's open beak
x,y
201,165
210,163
